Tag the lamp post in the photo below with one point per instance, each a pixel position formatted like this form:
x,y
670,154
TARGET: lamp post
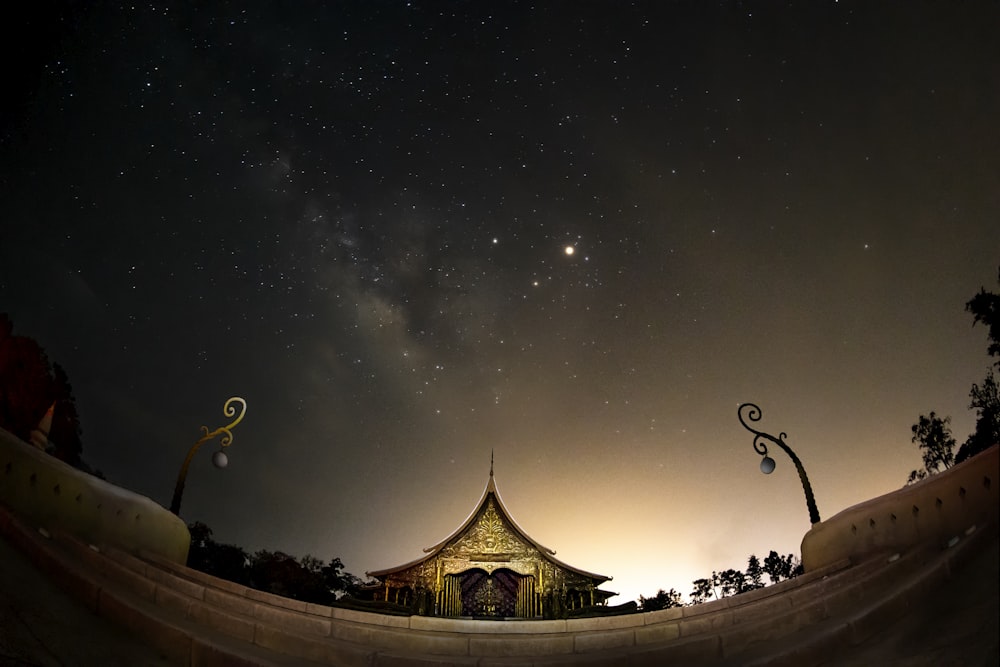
x,y
753,413
219,459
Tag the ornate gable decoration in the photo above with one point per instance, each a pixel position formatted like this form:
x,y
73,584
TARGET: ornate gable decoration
x,y
489,538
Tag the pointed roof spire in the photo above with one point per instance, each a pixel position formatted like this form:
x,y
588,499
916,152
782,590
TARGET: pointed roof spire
x,y
491,462
40,434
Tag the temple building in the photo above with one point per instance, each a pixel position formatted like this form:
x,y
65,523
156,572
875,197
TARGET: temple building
x,y
490,568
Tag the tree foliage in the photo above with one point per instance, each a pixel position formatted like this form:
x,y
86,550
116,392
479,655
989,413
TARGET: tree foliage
x,y
933,436
662,600
985,397
778,567
226,561
985,309
755,573
986,403
732,582
309,579
65,431
703,591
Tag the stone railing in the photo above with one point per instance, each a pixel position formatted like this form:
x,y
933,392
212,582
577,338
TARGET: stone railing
x,y
57,497
938,509
191,616
196,619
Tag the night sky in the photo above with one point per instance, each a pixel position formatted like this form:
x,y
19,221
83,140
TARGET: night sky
x,y
576,235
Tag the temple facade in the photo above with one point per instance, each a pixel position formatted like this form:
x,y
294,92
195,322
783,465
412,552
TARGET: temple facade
x,y
490,568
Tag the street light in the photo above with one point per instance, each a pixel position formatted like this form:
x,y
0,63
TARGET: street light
x,y
767,464
219,459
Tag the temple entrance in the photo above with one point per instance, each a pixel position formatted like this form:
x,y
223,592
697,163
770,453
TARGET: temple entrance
x,y
481,594
490,595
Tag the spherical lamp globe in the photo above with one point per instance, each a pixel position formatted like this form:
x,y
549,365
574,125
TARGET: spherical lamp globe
x,y
220,460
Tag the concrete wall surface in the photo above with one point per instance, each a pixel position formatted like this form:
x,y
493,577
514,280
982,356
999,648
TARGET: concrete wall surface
x,y
938,509
58,497
866,568
196,620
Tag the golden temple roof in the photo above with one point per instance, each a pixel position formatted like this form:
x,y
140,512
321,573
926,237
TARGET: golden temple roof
x,y
491,492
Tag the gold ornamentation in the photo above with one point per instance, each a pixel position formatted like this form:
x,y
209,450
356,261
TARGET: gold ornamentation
x,y
227,439
489,538
226,431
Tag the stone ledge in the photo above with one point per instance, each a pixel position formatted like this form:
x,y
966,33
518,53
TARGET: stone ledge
x,y
588,642
55,495
695,650
401,639
233,625
659,633
382,620
168,599
521,645
234,603
599,623
300,622
391,659
315,649
275,600
165,636
468,625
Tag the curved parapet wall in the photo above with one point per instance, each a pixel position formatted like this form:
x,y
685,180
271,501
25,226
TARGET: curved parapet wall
x,y
197,619
936,509
56,496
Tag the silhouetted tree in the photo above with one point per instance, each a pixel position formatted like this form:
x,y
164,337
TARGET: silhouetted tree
x,y
933,437
755,573
226,561
985,308
338,580
65,432
779,567
662,600
313,586
703,591
308,578
732,582
277,572
986,403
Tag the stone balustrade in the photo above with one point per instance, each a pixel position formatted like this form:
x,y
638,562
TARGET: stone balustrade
x,y
934,510
855,583
51,494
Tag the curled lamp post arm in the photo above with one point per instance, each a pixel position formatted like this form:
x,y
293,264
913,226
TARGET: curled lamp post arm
x,y
752,412
227,439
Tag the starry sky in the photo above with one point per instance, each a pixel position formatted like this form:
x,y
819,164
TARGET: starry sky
x,y
573,235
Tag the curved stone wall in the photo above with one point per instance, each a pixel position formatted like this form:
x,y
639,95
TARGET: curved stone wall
x,y
938,509
58,497
189,615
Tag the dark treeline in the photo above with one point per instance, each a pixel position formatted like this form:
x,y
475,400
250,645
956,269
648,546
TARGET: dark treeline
x,y
728,582
307,578
932,434
31,386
